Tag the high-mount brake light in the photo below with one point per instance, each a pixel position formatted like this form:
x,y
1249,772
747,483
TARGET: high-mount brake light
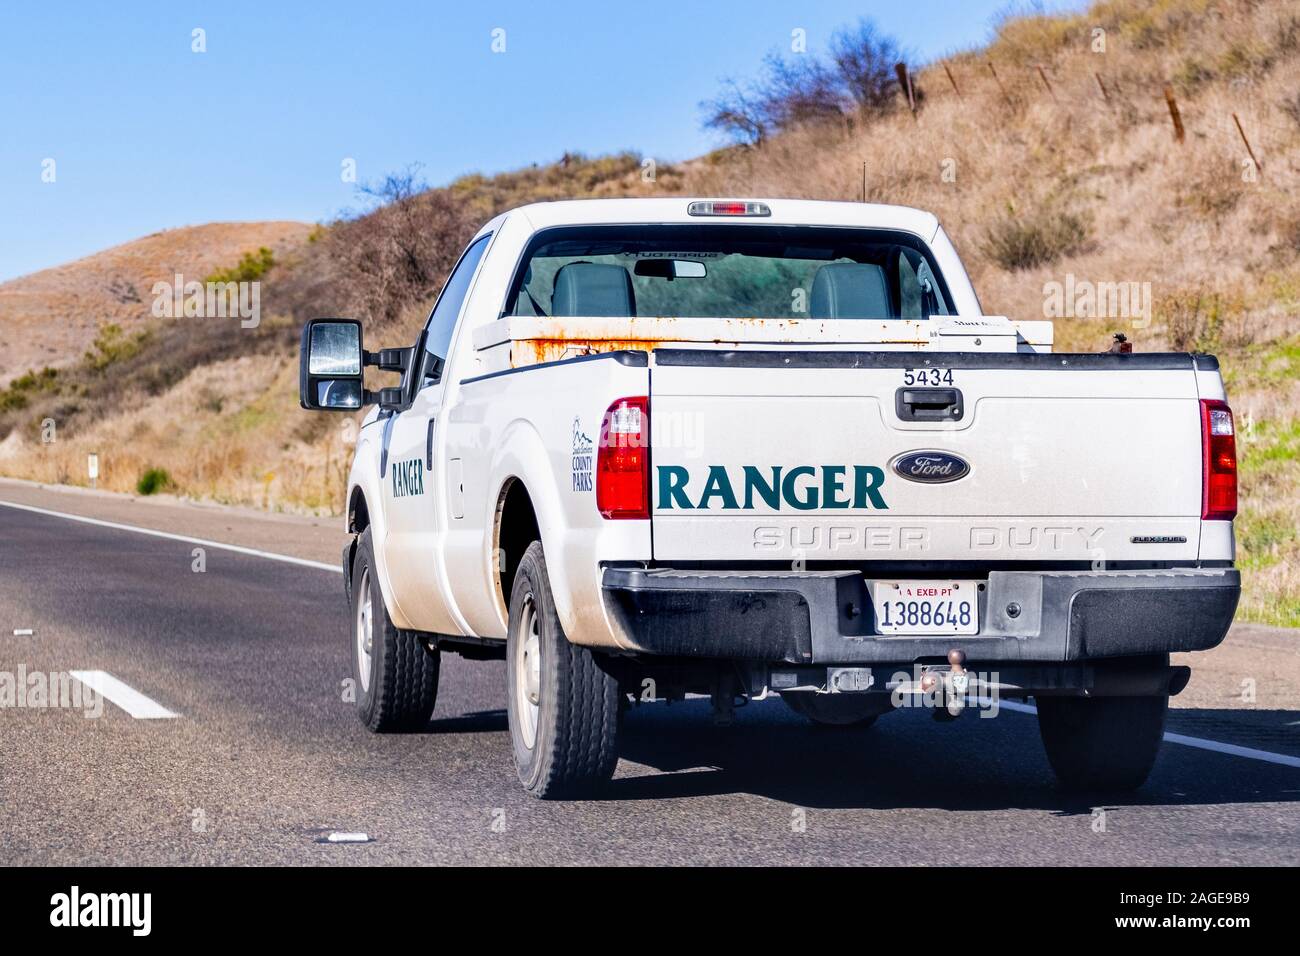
x,y
1218,462
623,460
718,207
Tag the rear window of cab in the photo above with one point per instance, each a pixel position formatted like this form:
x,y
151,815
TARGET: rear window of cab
x,y
728,271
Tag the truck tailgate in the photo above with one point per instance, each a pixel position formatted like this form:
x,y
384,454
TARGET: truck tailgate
x,y
796,455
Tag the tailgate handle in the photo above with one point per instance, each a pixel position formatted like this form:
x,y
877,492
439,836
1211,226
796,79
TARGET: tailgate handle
x,y
928,404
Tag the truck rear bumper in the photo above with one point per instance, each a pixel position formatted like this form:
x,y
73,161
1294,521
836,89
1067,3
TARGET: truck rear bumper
x,y
825,617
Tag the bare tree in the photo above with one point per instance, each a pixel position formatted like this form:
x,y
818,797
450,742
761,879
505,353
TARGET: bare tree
x,y
799,90
859,76
381,262
864,59
395,187
405,197
738,113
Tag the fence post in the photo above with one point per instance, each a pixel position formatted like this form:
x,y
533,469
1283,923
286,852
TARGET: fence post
x,y
1258,165
905,81
1179,133
993,70
1051,92
953,80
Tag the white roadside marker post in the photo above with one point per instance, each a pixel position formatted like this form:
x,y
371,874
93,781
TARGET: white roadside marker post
x,y
92,467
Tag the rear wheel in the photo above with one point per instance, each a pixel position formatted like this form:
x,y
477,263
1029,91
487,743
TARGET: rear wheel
x,y
562,706
837,710
1102,743
395,675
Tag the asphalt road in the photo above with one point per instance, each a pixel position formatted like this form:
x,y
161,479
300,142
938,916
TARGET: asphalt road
x,y
265,756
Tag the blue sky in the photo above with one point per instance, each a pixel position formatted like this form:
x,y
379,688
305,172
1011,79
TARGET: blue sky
x,y
146,134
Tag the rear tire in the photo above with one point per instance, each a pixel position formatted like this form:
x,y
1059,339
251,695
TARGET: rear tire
x,y
563,709
1102,743
395,675
836,710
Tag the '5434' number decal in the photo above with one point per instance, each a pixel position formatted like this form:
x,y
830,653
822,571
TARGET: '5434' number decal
x,y
927,376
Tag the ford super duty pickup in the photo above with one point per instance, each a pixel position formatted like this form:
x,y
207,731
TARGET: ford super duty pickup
x,y
646,448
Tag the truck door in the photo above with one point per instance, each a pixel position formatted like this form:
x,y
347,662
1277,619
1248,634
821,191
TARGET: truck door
x,y
414,471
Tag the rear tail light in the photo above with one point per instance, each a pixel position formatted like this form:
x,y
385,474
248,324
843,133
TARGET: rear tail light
x,y
1219,462
623,460
719,207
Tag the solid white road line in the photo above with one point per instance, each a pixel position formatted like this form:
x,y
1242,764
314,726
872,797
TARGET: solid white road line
x,y
1248,752
128,698
270,555
1200,743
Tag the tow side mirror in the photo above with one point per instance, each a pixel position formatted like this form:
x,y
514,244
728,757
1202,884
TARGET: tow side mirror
x,y
331,364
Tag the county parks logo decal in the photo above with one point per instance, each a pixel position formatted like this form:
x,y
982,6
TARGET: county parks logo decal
x,y
581,462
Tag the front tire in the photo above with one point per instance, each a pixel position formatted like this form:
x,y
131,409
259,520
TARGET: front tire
x,y
562,707
1102,743
395,675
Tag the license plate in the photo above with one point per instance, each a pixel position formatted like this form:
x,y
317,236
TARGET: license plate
x,y
926,607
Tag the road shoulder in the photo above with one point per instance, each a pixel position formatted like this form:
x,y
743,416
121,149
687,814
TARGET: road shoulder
x,y
310,538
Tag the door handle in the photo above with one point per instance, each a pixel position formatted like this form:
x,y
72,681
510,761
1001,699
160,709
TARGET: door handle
x,y
928,404
428,447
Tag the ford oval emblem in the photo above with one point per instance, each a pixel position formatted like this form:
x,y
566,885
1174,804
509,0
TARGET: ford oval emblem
x,y
930,467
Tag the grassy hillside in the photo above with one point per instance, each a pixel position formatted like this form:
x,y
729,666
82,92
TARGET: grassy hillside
x,y
209,409
1037,175
1098,188
50,317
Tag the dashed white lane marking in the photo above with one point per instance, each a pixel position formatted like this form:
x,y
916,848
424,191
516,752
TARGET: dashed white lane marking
x,y
1200,743
128,698
270,555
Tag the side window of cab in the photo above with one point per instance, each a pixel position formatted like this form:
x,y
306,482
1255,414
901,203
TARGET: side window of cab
x,y
442,321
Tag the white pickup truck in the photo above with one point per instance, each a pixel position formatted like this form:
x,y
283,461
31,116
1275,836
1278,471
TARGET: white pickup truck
x,y
646,448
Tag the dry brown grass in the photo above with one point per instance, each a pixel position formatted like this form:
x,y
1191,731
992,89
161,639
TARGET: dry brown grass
x,y
1187,218
216,405
1264,384
231,432
48,318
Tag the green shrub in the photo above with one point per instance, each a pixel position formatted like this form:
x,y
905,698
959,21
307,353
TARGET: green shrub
x,y
1192,74
153,481
112,344
17,395
12,399
1244,62
252,266
34,381
1023,239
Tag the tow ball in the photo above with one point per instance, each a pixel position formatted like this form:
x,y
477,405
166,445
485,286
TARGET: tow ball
x,y
955,684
